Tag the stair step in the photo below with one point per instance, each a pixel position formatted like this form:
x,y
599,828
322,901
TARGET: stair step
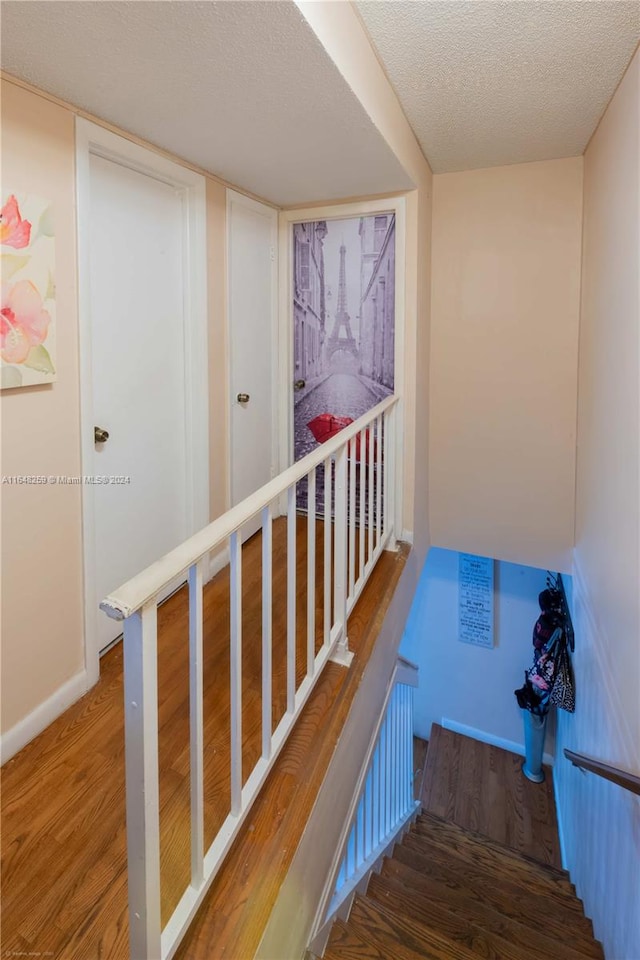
x,y
460,852
507,898
402,934
349,941
461,838
346,944
450,911
424,916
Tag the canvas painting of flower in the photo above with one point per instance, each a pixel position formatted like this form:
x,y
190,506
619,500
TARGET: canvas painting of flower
x,y
27,315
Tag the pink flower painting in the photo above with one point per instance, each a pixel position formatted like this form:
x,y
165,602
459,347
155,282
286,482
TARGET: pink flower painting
x,y
14,231
27,308
23,321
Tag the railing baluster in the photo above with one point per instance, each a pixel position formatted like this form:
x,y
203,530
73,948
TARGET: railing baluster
x,y
371,504
196,721
352,516
327,551
378,449
311,574
291,599
235,551
267,620
142,777
362,494
389,485
340,551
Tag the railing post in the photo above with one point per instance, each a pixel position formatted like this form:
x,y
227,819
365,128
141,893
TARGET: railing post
x,y
342,653
389,466
196,720
142,781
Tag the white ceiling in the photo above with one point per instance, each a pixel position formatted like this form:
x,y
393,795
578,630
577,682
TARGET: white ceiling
x,y
491,82
244,90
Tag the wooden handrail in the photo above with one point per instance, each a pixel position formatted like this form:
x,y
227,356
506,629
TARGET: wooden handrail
x,y
623,778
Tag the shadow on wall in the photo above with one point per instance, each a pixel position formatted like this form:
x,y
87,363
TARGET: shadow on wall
x,y
467,685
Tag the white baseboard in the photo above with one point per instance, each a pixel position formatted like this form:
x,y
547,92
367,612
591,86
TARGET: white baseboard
x,y
489,738
39,719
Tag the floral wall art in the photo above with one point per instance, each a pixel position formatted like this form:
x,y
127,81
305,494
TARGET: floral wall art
x,y
27,317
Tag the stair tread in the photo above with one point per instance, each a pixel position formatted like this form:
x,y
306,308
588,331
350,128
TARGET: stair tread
x,y
385,926
350,941
508,899
455,927
480,873
449,910
494,864
449,829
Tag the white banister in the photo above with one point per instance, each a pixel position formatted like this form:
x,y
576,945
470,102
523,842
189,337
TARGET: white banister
x,y
149,583
235,563
143,789
196,715
267,620
356,469
383,805
311,574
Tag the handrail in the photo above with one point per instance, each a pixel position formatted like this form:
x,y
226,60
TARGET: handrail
x,y
623,778
141,588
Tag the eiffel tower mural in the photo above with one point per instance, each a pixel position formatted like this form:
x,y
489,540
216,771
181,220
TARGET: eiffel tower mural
x,y
336,342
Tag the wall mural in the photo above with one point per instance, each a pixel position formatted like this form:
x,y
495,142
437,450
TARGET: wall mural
x,y
27,323
344,322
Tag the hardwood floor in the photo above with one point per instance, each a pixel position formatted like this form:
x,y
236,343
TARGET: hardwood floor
x,y
481,788
63,824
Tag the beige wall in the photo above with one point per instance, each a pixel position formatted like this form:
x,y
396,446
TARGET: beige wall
x,y
601,822
42,580
42,628
505,309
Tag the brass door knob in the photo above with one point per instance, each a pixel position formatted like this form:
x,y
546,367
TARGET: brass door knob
x,y
100,435
299,384
243,398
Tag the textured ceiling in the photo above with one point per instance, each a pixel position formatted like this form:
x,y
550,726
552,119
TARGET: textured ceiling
x,y
490,82
244,90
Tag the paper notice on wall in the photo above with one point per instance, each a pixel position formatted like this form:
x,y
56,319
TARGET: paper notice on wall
x,y
475,600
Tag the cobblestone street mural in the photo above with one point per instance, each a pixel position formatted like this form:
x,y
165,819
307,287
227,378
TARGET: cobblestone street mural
x,y
344,321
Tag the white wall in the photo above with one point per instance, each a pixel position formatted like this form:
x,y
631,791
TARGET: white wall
x,y
600,823
470,685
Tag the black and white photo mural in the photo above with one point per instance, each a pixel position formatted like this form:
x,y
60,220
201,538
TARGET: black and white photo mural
x,y
344,322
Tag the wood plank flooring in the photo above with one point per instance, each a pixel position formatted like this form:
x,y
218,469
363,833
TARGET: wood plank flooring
x,y
481,788
63,822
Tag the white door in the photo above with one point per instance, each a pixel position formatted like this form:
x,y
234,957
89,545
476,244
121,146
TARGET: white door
x,y
138,270
252,236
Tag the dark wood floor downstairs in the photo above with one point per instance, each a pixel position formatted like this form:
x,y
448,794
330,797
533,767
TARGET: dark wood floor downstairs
x,y
64,880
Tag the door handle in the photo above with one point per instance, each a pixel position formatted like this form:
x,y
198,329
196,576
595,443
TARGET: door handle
x,y
243,398
299,384
100,435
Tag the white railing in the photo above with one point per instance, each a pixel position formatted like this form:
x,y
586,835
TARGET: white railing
x,y
357,468
383,805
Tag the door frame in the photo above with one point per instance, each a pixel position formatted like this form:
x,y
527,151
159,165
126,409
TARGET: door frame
x,y
264,209
94,140
340,211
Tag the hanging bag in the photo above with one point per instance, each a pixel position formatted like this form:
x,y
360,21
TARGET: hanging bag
x,y
563,692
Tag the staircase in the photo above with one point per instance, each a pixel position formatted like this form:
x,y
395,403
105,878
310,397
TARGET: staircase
x,y
450,892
